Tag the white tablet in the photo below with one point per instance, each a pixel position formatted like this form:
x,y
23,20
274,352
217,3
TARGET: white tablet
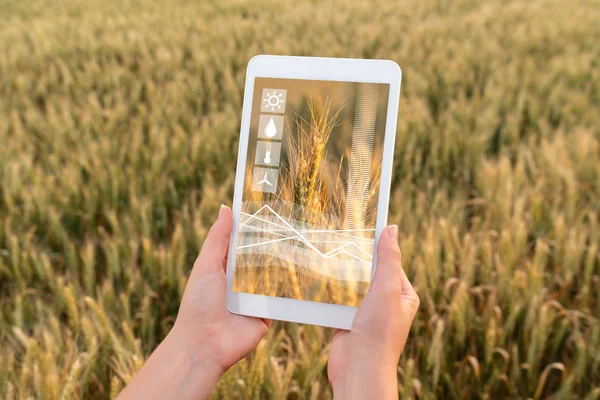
x,y
312,186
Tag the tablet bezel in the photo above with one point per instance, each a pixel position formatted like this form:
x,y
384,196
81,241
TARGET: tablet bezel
x,y
310,68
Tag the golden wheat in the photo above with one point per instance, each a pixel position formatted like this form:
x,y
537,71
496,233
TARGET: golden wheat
x,y
119,124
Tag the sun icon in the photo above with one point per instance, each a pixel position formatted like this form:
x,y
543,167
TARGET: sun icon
x,y
274,100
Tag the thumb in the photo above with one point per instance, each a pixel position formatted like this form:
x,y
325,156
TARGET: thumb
x,y
387,280
385,315
390,282
213,255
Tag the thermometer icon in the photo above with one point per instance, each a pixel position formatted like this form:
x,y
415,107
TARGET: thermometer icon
x,y
267,159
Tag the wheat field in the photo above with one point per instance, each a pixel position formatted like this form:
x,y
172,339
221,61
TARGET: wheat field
x,y
119,124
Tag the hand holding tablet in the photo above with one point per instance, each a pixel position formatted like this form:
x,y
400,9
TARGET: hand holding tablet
x,y
299,245
312,186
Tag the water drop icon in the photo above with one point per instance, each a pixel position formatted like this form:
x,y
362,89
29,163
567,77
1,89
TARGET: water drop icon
x,y
270,129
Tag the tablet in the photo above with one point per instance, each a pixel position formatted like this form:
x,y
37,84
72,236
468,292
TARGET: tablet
x,y
312,186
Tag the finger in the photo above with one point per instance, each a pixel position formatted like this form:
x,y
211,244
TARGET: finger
x,y
268,322
388,273
213,255
409,295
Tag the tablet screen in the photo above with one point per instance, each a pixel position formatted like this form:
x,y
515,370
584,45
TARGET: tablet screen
x,y
311,190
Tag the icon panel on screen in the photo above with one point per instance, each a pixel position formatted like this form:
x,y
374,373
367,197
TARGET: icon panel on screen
x,y
270,127
273,100
265,180
267,153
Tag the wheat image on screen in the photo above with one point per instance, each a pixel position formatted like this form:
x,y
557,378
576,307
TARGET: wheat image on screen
x,y
311,189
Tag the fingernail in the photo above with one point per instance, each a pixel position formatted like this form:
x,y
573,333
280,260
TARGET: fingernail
x,y
223,207
393,231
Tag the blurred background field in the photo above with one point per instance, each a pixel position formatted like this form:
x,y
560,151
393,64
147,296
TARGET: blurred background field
x,y
119,123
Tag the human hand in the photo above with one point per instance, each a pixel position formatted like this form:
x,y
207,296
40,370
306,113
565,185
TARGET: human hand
x,y
203,322
206,339
364,360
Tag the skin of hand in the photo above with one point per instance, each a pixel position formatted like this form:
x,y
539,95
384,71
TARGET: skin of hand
x,y
206,339
363,361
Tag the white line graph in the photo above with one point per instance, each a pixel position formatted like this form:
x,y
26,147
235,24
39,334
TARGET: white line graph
x,y
267,242
300,236
340,232
264,230
328,255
